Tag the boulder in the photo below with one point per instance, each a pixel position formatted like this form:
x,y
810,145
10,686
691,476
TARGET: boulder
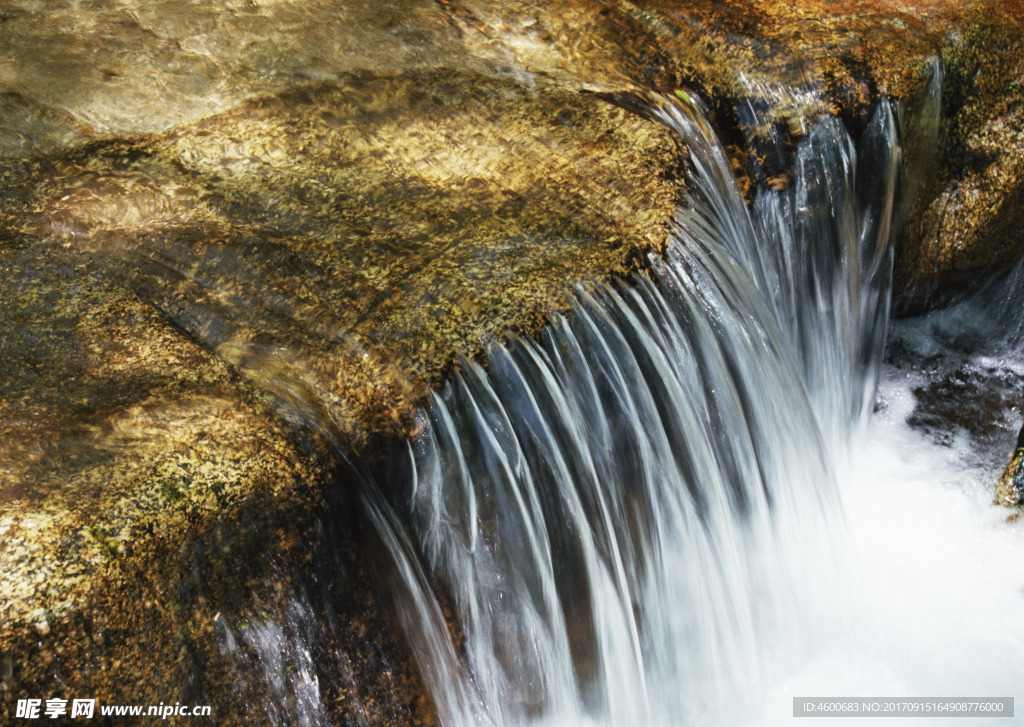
x,y
151,504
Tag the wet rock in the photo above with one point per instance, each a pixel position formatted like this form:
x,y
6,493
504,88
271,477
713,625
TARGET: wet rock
x,y
200,322
1010,487
968,221
124,68
963,175
957,67
362,235
978,402
145,489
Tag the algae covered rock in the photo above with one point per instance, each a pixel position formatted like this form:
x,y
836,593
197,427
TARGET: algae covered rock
x,y
769,68
150,498
969,222
365,234
120,68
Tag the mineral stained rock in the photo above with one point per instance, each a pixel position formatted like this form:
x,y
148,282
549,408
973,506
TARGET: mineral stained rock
x,y
224,225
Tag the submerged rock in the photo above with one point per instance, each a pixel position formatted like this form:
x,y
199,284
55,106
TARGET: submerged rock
x,y
147,494
203,323
363,234
980,402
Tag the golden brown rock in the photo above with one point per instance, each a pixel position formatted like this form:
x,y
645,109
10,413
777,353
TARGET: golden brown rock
x,y
338,245
368,232
147,495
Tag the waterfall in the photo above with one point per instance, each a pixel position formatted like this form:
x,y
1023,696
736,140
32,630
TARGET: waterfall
x,y
635,517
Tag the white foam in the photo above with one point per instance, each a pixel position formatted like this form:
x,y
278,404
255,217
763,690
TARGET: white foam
x,y
939,574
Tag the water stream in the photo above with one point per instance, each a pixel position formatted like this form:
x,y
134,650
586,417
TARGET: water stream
x,y
936,586
721,483
637,517
675,507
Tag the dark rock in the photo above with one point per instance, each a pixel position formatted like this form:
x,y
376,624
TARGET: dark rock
x,y
980,402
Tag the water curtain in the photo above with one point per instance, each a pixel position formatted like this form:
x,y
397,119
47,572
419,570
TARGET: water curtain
x,y
635,517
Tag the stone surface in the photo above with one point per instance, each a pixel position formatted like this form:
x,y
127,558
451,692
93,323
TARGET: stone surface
x,y
970,218
333,230
122,68
147,494
196,318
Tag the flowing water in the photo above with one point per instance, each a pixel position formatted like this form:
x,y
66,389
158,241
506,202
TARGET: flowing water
x,y
675,507
700,493
937,584
637,517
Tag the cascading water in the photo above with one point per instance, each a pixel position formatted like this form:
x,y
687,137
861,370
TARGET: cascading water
x,y
634,515
666,510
